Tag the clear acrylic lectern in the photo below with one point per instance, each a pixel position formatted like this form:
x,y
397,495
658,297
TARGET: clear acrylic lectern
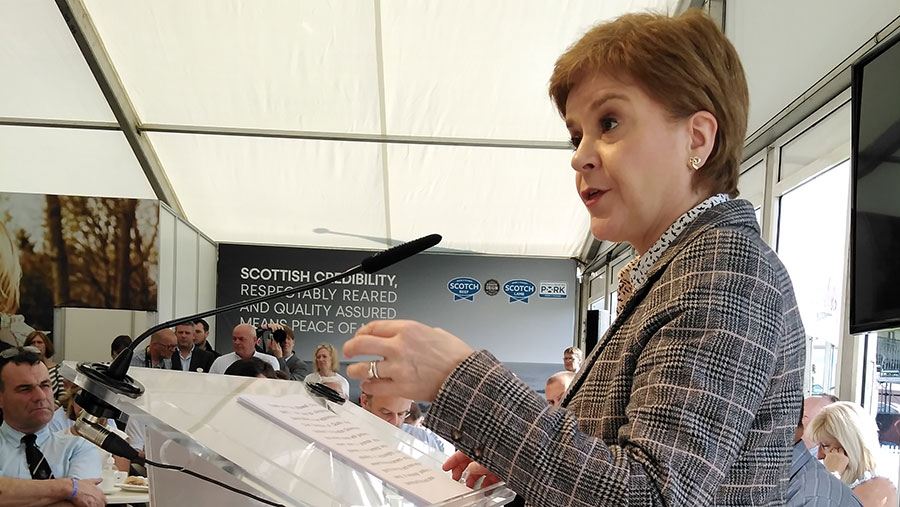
x,y
196,421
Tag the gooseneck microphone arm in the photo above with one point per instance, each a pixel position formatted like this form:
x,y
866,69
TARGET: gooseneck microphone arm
x,y
118,369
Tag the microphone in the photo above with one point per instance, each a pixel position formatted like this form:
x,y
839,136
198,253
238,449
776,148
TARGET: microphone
x,y
398,253
115,377
89,428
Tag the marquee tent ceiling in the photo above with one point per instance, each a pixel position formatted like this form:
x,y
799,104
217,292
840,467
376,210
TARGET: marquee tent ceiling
x,y
301,122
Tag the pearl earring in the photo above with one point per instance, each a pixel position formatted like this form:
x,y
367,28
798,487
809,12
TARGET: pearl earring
x,y
695,163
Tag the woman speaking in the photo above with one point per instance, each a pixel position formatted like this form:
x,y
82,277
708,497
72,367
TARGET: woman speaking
x,y
693,394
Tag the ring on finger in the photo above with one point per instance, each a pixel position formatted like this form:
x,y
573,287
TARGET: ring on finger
x,y
373,369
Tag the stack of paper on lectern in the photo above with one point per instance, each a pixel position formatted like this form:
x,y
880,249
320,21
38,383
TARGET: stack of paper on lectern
x,y
356,446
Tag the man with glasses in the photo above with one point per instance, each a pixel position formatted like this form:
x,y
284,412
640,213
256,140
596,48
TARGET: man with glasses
x,y
39,467
159,353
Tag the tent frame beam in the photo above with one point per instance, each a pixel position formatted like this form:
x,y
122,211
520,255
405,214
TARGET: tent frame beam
x,y
63,124
351,137
288,134
78,20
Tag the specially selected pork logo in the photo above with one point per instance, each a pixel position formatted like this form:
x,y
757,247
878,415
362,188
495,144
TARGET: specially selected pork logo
x,y
464,288
519,290
555,290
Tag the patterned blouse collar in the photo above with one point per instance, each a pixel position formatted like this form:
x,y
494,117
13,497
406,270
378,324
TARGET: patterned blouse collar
x,y
642,268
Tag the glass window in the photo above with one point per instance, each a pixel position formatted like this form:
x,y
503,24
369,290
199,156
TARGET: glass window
x,y
825,144
887,374
812,244
752,183
598,286
887,416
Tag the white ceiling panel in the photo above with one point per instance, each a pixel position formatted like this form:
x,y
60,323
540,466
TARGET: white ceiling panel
x,y
278,191
44,73
70,162
487,200
477,69
451,69
275,64
786,47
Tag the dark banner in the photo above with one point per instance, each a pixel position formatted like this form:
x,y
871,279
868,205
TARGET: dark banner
x,y
521,309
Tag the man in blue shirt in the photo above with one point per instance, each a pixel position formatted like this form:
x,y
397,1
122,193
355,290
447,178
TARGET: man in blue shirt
x,y
394,410
39,467
810,484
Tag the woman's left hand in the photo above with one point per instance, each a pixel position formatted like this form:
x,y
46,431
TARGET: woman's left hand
x,y
836,460
417,358
459,463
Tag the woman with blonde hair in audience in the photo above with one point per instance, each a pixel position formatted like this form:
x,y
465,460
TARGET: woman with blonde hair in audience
x,y
327,364
41,342
848,446
13,329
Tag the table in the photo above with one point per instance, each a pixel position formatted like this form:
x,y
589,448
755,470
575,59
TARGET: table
x,y
127,497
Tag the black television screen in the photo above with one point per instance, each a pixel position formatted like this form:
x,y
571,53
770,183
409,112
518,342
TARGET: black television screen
x,y
875,208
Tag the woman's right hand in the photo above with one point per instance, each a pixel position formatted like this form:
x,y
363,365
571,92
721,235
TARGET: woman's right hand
x,y
836,461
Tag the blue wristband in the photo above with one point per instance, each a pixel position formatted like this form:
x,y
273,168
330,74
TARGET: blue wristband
x,y
74,489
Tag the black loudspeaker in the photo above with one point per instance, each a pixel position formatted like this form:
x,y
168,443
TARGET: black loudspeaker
x,y
592,331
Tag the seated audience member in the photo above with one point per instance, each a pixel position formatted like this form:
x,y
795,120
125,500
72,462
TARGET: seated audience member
x,y
159,353
119,344
888,420
811,408
290,362
40,340
39,467
327,365
201,337
188,357
244,339
572,358
810,484
556,387
251,367
415,417
394,410
848,446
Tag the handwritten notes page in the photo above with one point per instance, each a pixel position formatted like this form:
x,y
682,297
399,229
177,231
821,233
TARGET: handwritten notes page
x,y
356,446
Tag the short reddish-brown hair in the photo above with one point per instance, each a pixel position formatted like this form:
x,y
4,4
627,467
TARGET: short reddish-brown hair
x,y
684,63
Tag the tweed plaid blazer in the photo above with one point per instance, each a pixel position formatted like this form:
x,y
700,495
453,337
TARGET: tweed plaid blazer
x,y
690,398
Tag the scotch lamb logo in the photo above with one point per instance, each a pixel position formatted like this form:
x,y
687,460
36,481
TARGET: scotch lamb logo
x,y
464,288
519,290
